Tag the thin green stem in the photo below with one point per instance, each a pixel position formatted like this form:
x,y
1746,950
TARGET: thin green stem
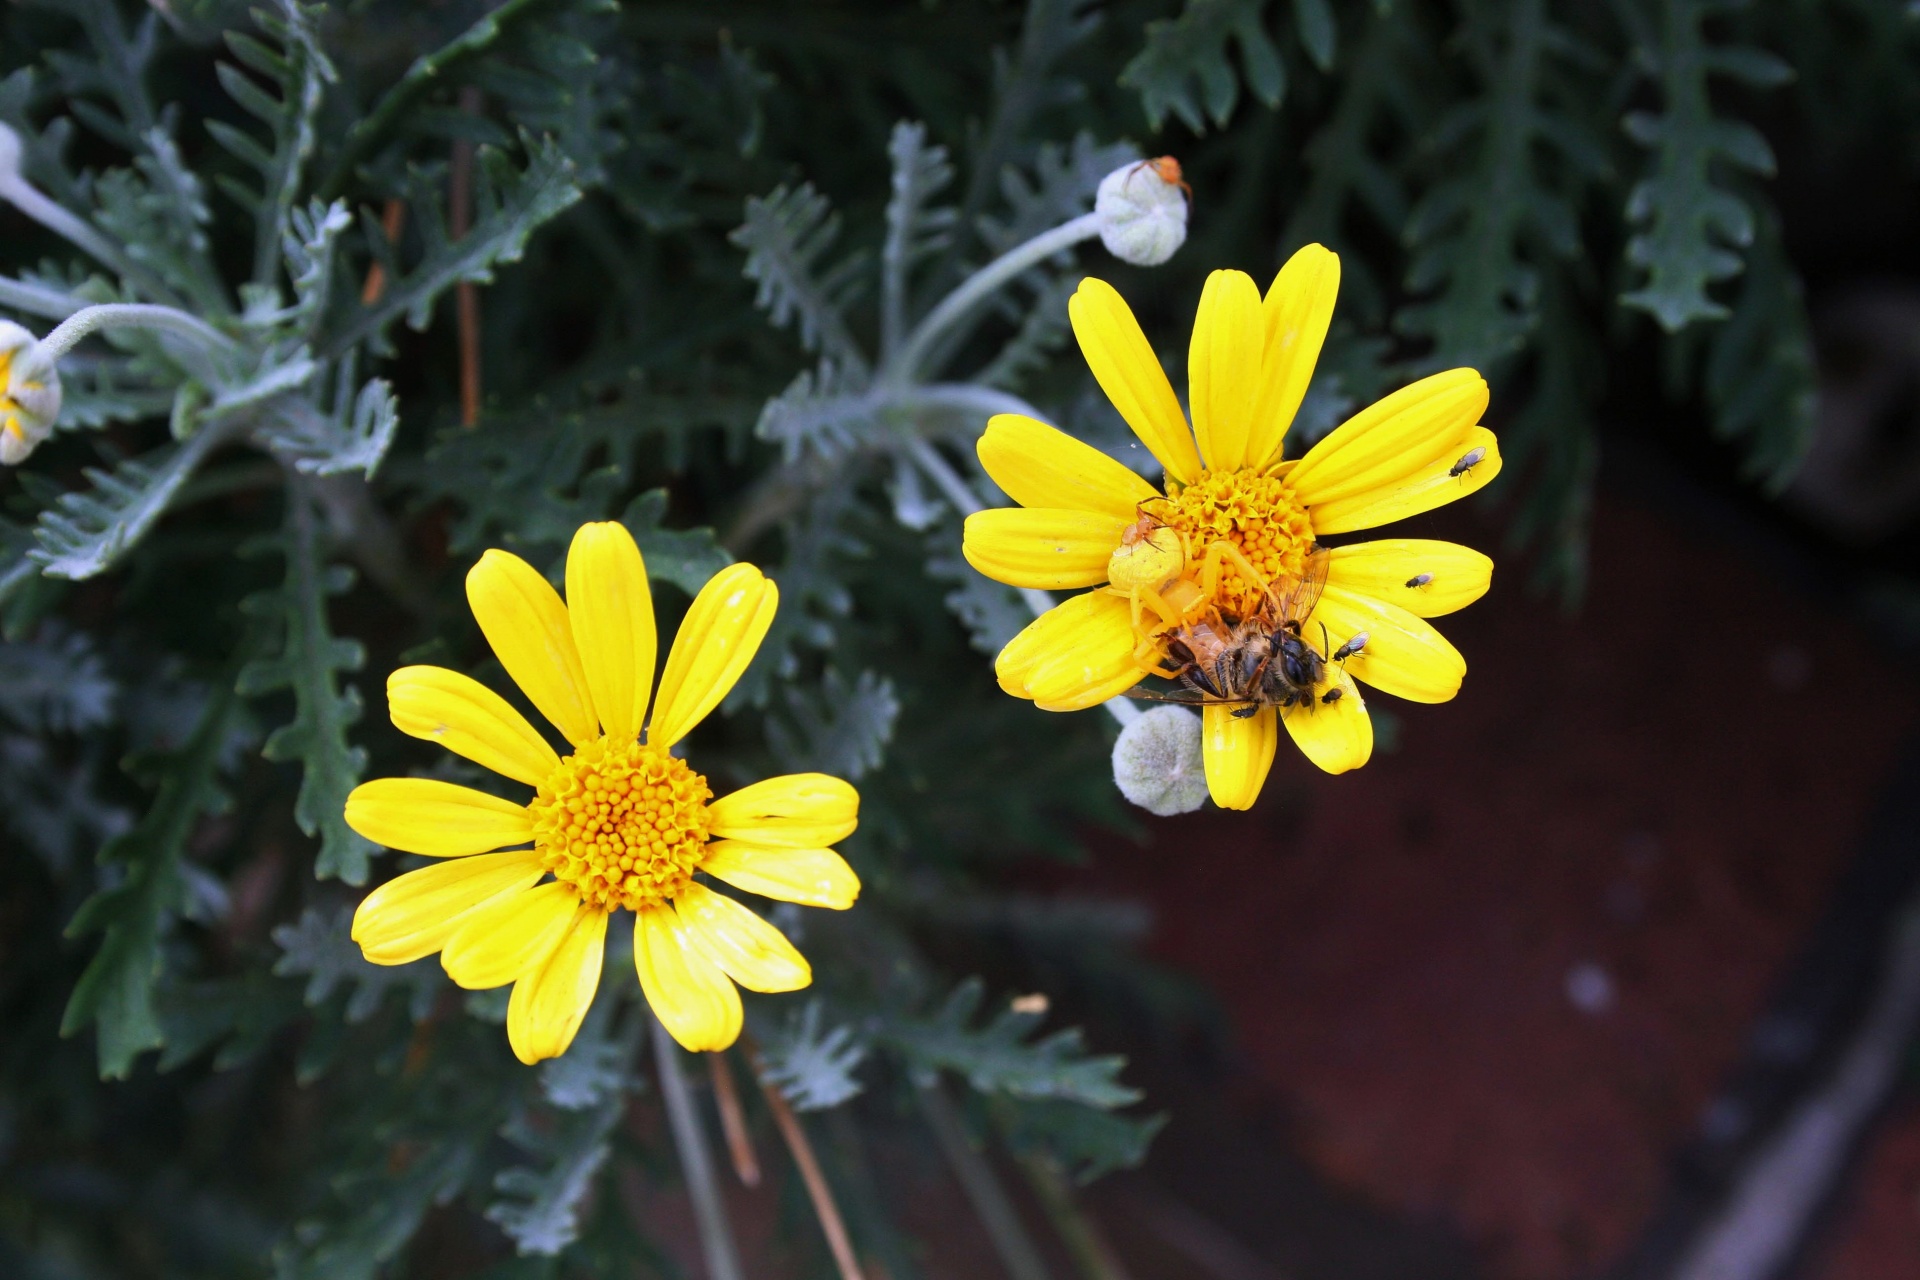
x,y
989,1199
960,305
55,217
131,315
37,300
1078,1231
696,1161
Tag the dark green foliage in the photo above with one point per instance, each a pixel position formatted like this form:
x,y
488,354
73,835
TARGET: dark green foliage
x,y
714,244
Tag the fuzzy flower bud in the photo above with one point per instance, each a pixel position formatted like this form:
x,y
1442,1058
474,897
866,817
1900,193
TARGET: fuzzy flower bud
x,y
1143,211
29,394
1157,762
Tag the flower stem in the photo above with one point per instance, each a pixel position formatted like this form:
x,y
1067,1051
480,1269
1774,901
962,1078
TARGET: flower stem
x,y
37,300
959,305
55,217
129,315
733,1121
824,1208
709,1209
989,1199
1081,1234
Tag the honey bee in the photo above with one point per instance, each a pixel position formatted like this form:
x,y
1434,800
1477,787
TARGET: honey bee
x,y
1263,661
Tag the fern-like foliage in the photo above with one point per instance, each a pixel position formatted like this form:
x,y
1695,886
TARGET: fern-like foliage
x,y
1001,1057
319,948
116,993
540,1206
1691,225
86,532
1184,67
813,1065
915,229
842,728
787,235
1760,378
308,665
298,71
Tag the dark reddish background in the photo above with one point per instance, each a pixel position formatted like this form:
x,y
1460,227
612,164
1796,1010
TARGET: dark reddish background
x,y
1664,786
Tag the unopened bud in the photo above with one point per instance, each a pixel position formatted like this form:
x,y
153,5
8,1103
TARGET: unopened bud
x,y
29,394
1157,762
1143,211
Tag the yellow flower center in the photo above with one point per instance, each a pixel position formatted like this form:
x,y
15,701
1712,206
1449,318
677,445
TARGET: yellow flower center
x,y
1256,513
625,825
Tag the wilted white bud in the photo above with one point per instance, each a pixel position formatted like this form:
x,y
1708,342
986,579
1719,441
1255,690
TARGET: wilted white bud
x,y
29,394
1157,762
1143,211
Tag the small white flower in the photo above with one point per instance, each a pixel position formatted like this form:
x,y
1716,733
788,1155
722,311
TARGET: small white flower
x,y
1143,211
29,394
1157,763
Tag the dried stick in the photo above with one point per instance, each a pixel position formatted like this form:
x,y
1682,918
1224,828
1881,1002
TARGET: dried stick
x,y
466,294
817,1189
733,1121
392,218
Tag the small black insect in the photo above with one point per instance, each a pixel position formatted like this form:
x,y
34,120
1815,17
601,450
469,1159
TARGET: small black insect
x,y
1332,695
1355,643
1418,581
1468,461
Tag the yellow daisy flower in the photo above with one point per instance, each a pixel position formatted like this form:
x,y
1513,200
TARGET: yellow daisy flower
x,y
1234,507
619,822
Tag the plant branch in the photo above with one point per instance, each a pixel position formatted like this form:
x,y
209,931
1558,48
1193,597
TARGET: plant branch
x,y
709,1209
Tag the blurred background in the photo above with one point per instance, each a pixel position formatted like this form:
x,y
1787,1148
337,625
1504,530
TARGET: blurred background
x,y
1607,970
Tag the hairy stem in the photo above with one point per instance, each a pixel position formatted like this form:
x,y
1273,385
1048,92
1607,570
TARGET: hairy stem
x,y
960,305
130,315
696,1162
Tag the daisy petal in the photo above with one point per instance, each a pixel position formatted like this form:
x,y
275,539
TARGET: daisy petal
x,y
1338,735
439,819
523,619
1042,466
1076,655
1298,309
795,810
1127,370
470,720
752,952
1391,439
1237,753
810,877
1433,485
611,610
502,940
719,637
1223,367
1426,578
413,915
695,1001
1403,655
1052,549
547,1004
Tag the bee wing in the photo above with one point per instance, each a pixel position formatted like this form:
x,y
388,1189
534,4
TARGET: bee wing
x,y
1300,598
1185,697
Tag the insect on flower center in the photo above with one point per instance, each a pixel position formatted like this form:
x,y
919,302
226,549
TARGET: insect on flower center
x,y
1259,516
624,824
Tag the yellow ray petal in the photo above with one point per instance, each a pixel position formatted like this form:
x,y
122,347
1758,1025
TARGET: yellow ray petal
x,y
1223,367
794,810
1127,370
468,719
1042,466
523,619
503,939
693,998
439,819
751,952
1076,655
1392,438
413,915
719,637
1426,578
611,610
547,1004
810,877
1403,655
1338,735
1433,485
1298,309
1237,753
1053,549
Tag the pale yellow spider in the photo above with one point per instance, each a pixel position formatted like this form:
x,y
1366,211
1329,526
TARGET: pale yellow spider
x,y
1151,568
